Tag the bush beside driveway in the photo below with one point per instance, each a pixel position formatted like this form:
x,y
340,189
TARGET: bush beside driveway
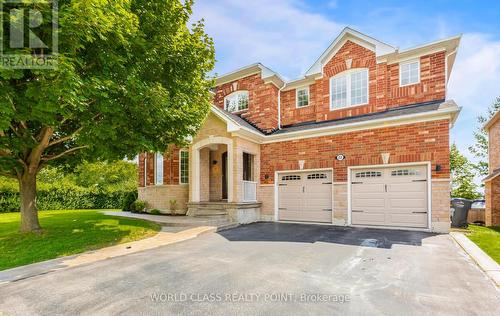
x,y
65,233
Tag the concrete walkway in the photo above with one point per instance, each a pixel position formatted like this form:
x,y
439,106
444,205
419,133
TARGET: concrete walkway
x,y
183,221
165,237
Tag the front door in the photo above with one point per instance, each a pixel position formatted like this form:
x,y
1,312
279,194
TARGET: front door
x,y
224,176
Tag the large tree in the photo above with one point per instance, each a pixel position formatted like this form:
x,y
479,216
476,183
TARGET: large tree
x,y
480,147
131,77
462,175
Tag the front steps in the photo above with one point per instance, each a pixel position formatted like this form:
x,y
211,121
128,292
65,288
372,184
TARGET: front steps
x,y
237,212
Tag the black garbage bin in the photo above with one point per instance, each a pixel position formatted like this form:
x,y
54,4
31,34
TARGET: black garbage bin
x,y
459,212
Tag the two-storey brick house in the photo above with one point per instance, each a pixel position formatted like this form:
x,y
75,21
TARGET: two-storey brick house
x,y
361,139
492,181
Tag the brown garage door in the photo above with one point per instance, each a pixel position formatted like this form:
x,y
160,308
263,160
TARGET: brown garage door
x,y
393,196
305,196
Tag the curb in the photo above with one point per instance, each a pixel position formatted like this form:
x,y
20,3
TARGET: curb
x,y
488,265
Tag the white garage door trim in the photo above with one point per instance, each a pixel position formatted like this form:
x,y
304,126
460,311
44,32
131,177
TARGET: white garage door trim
x,y
429,191
276,191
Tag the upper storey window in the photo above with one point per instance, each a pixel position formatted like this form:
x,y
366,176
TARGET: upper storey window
x,y
409,73
302,97
349,89
236,101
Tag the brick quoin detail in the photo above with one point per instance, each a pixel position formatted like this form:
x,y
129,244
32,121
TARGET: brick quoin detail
x,y
170,167
384,90
263,100
427,141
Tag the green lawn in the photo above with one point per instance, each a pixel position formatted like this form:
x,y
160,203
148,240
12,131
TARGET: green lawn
x,y
487,238
65,233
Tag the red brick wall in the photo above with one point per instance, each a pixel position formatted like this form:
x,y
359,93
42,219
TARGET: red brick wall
x,y
263,100
492,194
170,167
427,141
384,90
494,146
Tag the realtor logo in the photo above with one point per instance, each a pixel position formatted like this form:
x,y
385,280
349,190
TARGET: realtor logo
x,y
28,34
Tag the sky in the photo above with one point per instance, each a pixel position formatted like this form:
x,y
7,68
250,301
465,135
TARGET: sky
x,y
289,35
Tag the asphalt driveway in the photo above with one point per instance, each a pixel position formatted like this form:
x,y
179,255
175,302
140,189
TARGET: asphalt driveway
x,y
270,268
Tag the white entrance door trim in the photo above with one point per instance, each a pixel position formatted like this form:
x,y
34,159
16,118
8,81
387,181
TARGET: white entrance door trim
x,y
428,164
276,182
195,152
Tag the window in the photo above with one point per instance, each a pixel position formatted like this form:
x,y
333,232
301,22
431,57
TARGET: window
x,y
290,177
316,176
158,169
368,174
247,167
236,101
302,97
349,89
409,73
145,170
404,172
183,167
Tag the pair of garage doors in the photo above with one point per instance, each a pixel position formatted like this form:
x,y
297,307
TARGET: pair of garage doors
x,y
389,196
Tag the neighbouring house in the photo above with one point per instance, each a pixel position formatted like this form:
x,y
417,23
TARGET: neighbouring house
x,y
361,139
492,181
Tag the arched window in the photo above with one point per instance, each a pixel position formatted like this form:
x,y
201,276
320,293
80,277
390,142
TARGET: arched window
x,y
236,101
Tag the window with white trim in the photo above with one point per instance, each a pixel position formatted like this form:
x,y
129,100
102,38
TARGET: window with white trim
x,y
236,101
404,172
183,167
158,169
302,97
368,174
316,176
409,72
349,89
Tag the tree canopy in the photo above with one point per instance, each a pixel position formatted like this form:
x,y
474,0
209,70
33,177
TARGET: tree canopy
x,y
480,147
131,76
462,174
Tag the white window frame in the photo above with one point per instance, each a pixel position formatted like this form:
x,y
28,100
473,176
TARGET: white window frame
x,y
157,155
297,97
348,75
180,166
236,94
407,62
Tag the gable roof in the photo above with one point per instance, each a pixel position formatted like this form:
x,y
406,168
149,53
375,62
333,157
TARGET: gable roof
x,y
267,74
492,121
380,48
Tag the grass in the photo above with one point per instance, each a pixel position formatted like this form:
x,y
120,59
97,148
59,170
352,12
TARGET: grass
x,y
65,233
487,238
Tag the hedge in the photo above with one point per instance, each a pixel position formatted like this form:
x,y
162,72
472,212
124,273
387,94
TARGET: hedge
x,y
60,197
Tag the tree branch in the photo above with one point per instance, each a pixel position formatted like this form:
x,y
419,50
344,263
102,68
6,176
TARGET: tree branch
x,y
63,153
62,140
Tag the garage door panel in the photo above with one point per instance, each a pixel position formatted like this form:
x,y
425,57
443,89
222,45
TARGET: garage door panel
x,y
407,220
368,202
368,188
368,218
306,197
396,197
408,203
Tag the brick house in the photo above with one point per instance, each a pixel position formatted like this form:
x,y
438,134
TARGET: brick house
x,y
492,181
361,139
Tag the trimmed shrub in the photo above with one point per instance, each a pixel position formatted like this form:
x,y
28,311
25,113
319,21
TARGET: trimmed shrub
x,y
155,212
60,196
128,200
139,206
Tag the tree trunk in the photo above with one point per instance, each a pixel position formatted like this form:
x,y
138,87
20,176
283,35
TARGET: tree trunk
x,y
29,211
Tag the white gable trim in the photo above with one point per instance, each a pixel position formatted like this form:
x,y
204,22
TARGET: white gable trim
x,y
366,41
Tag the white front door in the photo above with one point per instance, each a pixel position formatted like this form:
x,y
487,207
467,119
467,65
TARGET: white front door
x,y
305,196
390,196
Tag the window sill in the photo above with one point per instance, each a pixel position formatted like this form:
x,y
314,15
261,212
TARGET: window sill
x,y
348,107
409,84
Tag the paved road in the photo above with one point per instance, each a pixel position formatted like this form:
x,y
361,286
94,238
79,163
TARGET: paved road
x,y
270,268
